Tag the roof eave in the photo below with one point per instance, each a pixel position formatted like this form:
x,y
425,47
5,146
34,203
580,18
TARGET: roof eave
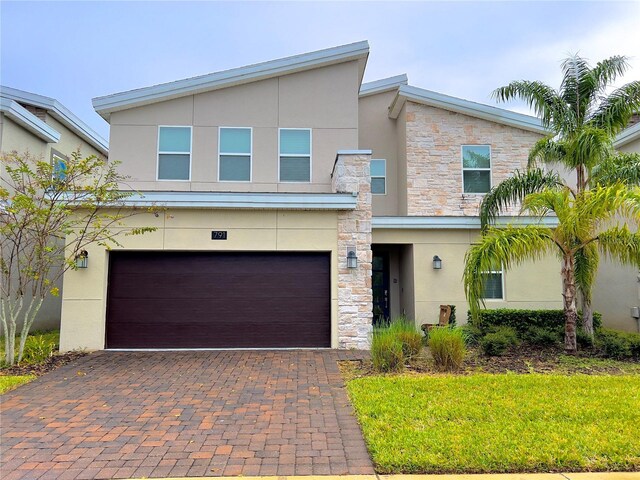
x,y
134,98
628,135
383,85
29,121
466,107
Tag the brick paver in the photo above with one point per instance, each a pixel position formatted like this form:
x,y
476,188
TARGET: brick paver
x,y
174,414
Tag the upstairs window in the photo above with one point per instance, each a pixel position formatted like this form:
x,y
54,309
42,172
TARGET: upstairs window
x,y
174,153
59,163
234,155
493,285
295,155
379,177
476,168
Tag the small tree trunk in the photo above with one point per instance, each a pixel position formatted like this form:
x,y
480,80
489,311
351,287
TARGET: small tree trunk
x,y
570,312
587,316
9,311
29,317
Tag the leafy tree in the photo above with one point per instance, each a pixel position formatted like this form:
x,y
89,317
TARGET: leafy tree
x,y
583,121
589,222
49,214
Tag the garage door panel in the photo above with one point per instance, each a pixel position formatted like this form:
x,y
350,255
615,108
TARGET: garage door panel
x,y
207,285
173,300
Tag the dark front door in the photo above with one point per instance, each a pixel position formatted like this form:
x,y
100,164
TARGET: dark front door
x,y
380,285
218,300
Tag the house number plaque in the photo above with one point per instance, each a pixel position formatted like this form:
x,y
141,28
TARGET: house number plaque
x,y
218,235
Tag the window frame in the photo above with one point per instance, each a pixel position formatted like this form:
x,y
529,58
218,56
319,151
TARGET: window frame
x,y
220,128
280,155
55,154
385,175
493,272
464,169
158,179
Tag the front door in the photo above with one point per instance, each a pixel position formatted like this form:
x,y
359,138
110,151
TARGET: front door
x,y
380,286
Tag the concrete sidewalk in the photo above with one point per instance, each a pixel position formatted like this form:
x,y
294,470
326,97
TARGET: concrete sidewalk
x,y
488,476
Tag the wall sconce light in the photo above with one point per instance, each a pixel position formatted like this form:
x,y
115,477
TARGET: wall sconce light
x,y
352,259
82,259
437,262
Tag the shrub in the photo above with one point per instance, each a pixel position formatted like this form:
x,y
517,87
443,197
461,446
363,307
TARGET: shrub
x,y
407,334
522,320
386,351
38,348
498,341
584,339
447,346
541,337
472,334
618,345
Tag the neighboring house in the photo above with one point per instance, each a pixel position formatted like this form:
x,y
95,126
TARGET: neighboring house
x,y
617,290
300,206
48,130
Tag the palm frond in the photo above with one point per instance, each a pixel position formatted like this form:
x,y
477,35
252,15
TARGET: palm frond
x,y
622,167
514,190
502,246
615,110
586,268
621,245
588,147
608,70
547,150
577,89
544,100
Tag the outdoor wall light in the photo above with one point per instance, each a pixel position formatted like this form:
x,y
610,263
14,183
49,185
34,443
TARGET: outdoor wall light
x,y
437,262
352,259
82,259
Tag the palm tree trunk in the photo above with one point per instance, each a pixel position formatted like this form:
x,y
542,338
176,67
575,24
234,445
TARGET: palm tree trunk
x,y
587,315
570,312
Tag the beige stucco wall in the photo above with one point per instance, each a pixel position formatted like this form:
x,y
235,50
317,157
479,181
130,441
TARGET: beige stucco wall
x,y
324,99
434,158
530,285
15,137
84,296
631,147
379,133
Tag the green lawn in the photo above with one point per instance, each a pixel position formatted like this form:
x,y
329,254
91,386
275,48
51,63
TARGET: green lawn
x,y
500,423
10,382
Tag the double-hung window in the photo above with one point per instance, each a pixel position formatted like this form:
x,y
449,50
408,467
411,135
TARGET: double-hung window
x,y
295,155
493,285
174,153
476,168
378,177
234,154
59,163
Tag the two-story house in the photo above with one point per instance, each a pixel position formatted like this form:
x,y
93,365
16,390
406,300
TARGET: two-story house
x,y
47,130
300,206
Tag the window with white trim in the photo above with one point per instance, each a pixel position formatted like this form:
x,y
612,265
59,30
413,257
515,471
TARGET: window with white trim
x,y
234,154
476,168
493,288
295,155
59,164
378,177
174,153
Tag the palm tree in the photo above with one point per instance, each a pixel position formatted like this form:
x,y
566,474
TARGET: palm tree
x,y
589,222
583,122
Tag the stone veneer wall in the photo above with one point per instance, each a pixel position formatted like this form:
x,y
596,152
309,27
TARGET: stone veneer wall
x,y
355,297
434,158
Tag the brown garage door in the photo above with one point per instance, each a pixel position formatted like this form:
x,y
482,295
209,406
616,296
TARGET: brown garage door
x,y
218,300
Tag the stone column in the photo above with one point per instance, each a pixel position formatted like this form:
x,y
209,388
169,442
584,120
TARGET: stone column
x,y
355,298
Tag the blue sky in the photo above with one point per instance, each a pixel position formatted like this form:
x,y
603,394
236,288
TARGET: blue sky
x,y
74,51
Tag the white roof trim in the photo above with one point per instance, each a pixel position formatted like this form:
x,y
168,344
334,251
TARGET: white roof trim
x,y
457,223
60,113
628,135
354,152
28,120
383,85
236,76
286,201
473,109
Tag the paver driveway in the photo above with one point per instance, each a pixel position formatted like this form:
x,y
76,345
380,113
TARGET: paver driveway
x,y
155,414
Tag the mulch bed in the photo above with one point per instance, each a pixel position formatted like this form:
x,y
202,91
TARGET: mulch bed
x,y
50,364
523,360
